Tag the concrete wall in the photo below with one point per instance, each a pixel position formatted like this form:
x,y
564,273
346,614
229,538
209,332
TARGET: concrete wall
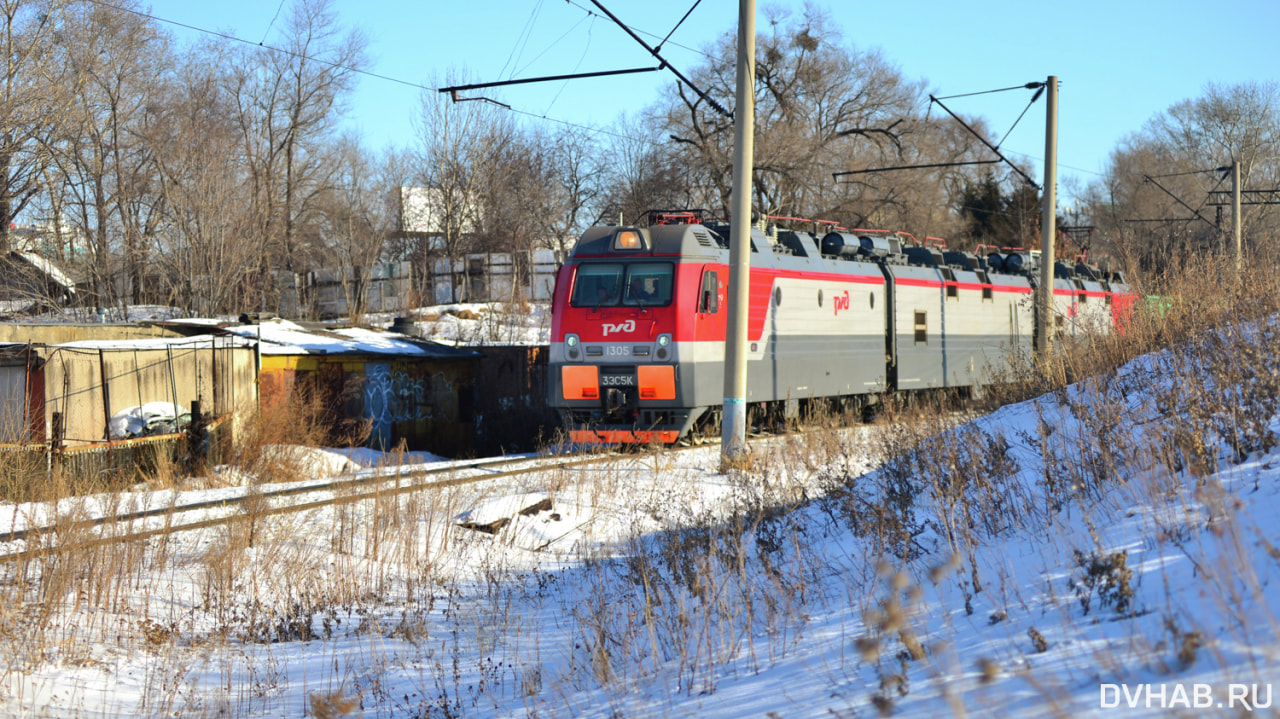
x,y
330,292
494,277
59,333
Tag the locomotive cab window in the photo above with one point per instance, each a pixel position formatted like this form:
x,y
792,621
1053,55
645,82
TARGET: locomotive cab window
x,y
648,284
632,284
597,285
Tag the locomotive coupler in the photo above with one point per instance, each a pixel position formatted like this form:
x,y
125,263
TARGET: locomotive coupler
x,y
615,399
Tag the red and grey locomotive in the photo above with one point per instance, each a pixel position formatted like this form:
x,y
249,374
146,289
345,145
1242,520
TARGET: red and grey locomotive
x,y
639,320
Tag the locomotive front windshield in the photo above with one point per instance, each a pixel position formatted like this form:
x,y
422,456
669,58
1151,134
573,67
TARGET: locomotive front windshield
x,y
613,284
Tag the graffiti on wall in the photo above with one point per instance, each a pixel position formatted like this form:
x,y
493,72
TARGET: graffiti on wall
x,y
392,396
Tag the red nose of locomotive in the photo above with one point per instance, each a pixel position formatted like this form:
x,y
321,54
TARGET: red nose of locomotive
x,y
616,320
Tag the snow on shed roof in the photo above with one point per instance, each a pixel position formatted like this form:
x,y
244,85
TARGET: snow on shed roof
x,y
152,343
284,337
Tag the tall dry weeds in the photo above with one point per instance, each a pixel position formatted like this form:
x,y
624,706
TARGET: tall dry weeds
x,y
306,417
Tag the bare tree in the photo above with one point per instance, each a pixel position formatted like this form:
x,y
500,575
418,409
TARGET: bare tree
x,y
644,174
1154,201
35,92
577,171
288,102
194,134
518,196
102,164
359,217
460,146
819,107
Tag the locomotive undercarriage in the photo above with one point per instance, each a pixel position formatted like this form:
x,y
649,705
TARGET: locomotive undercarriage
x,y
623,423
627,424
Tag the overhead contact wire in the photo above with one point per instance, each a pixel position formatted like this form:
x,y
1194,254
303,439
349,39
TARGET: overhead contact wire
x,y
357,71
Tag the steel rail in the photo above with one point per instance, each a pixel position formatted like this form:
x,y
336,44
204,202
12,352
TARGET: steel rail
x,y
378,490
299,488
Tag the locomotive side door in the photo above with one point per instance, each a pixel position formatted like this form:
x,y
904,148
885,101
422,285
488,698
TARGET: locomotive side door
x,y
701,371
711,315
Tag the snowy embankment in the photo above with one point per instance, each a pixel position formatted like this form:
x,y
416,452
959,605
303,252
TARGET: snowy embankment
x,y
1112,549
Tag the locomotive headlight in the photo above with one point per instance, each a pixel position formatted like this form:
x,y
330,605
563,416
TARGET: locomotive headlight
x,y
664,340
571,347
571,340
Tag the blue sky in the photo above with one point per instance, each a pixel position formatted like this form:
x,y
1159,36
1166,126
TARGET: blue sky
x,y
1119,62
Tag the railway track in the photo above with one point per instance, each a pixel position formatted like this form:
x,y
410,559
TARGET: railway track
x,y
274,501
47,539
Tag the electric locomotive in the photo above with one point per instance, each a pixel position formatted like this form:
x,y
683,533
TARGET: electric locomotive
x,y
639,321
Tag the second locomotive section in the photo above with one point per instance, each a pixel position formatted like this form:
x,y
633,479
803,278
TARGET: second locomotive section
x,y
638,329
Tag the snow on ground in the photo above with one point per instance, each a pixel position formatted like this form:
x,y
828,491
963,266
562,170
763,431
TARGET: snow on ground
x,y
128,313
1063,562
475,323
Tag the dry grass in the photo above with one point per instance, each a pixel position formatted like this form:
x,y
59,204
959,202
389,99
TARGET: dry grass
x,y
305,417
1182,303
705,591
1213,388
23,474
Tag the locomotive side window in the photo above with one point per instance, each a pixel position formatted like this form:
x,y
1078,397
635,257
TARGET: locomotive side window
x,y
709,294
922,327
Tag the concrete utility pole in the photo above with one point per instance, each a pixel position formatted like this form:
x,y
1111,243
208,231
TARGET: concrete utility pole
x,y
1235,212
1048,221
733,427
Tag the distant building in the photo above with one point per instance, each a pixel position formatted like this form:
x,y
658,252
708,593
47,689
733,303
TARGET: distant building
x,y
29,282
423,211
